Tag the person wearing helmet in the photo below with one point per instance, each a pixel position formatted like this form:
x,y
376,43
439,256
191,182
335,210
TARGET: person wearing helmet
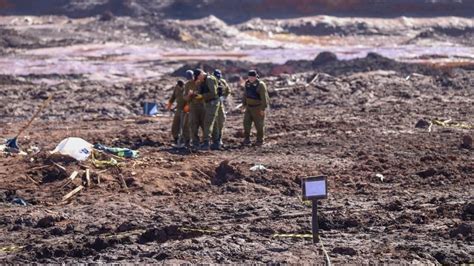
x,y
207,91
196,109
180,125
223,91
255,101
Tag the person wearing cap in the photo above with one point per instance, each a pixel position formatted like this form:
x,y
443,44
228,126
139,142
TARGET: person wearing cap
x,y
180,124
207,91
196,109
223,91
255,101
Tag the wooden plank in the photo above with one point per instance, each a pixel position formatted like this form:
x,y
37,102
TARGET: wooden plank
x,y
88,177
313,80
60,166
69,179
73,192
73,175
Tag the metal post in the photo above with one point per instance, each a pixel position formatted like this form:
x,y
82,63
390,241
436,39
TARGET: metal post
x,y
315,222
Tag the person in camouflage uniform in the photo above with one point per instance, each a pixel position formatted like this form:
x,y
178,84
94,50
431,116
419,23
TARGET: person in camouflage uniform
x,y
180,126
223,91
255,101
196,108
207,90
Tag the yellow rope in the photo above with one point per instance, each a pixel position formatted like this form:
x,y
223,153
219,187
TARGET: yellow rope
x,y
449,123
11,248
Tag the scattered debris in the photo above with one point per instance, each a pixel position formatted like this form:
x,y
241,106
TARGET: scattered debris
x,y
88,177
73,192
121,152
19,201
379,176
70,179
258,167
104,163
450,123
76,148
33,150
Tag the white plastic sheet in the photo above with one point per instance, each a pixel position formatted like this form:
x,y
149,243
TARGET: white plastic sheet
x,y
258,167
77,148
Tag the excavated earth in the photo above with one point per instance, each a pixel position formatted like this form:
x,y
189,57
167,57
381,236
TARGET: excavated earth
x,y
400,190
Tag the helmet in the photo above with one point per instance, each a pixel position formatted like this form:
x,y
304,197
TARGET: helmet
x,y
253,73
189,74
197,72
217,74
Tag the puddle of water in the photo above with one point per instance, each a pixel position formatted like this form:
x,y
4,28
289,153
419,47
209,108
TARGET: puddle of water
x,y
114,62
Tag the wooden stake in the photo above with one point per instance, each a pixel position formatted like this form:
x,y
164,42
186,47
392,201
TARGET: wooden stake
x,y
88,177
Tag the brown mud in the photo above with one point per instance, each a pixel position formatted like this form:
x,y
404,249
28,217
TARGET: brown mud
x,y
193,207
371,114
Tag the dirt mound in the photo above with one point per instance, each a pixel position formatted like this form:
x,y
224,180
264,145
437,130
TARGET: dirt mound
x,y
325,62
235,12
206,32
12,39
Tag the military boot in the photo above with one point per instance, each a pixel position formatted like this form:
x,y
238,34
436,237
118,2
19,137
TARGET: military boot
x,y
259,143
216,145
220,141
187,144
246,142
205,146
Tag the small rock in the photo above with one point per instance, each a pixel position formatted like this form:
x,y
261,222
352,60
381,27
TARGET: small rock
x,y
99,244
466,142
462,229
422,123
126,226
47,221
394,206
468,212
56,231
184,174
427,173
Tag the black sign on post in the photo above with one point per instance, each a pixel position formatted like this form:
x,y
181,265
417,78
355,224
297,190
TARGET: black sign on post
x,y
315,188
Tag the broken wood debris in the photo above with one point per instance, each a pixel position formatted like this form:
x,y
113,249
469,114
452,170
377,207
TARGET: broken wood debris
x,y
88,177
73,192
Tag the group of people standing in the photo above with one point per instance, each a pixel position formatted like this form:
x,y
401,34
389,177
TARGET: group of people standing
x,y
200,107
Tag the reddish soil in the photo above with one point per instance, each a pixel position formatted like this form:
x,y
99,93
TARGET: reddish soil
x,y
350,127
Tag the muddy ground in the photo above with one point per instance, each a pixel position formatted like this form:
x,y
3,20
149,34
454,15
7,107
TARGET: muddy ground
x,y
400,189
349,127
